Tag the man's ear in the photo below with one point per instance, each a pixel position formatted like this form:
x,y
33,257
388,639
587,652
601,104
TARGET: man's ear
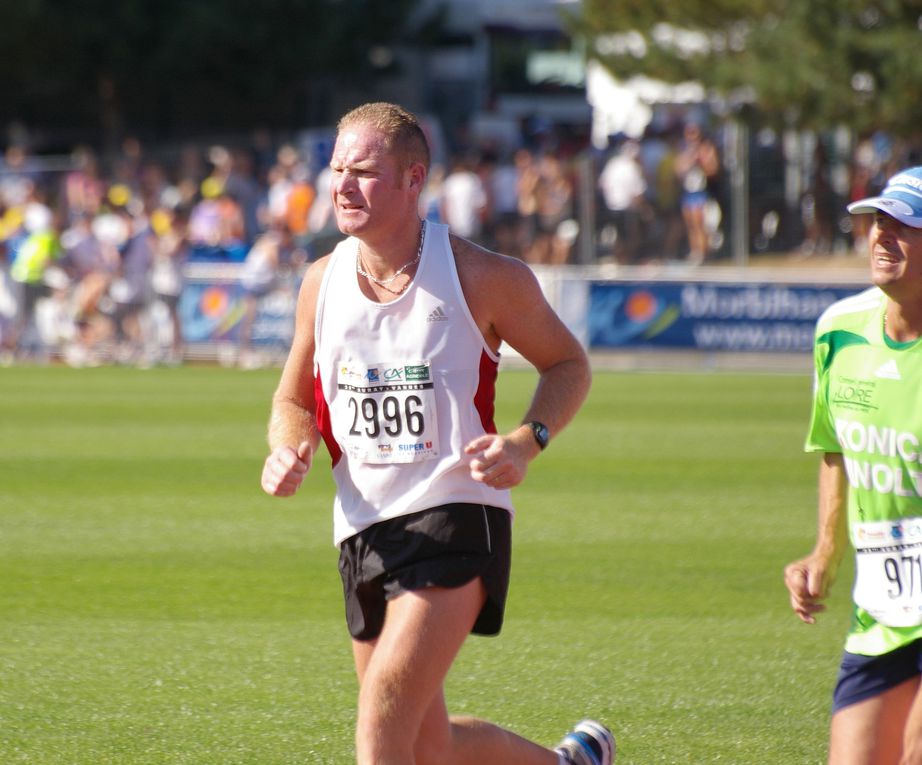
x,y
416,176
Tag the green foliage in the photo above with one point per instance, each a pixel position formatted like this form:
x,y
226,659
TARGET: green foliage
x,y
192,62
815,64
157,609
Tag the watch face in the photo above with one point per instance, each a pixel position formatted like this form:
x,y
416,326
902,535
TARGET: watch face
x,y
541,434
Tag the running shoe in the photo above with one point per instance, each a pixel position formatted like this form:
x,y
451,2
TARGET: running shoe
x,y
589,743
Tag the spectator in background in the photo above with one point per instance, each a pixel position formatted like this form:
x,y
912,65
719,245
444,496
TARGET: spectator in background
x,y
818,206
504,191
232,172
299,202
279,185
154,186
623,187
128,165
90,263
189,174
323,233
464,199
666,200
241,185
167,280
216,228
527,189
40,248
18,179
320,218
83,188
697,166
271,258
554,213
430,201
205,232
232,228
9,304
289,194
129,289
864,182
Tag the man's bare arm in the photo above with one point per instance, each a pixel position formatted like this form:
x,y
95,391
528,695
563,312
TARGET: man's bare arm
x,y
808,580
508,305
293,435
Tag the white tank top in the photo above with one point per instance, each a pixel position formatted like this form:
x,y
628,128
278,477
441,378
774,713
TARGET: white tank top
x,y
401,388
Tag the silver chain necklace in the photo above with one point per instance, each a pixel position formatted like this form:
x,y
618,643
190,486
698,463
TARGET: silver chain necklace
x,y
385,282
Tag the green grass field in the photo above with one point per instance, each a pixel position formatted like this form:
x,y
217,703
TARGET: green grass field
x,y
155,607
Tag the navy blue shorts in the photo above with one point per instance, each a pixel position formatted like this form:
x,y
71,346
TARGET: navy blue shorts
x,y
447,546
863,677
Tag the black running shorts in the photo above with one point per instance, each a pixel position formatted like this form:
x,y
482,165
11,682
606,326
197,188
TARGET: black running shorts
x,y
862,677
446,546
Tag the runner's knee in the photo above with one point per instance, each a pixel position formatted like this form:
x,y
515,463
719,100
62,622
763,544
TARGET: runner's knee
x,y
432,747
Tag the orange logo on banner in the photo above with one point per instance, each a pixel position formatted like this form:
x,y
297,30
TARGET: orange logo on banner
x,y
641,306
214,302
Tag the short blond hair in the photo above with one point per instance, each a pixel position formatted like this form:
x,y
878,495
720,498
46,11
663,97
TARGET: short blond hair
x,y
400,128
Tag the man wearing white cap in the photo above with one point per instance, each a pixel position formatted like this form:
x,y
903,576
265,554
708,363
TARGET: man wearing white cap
x,y
867,423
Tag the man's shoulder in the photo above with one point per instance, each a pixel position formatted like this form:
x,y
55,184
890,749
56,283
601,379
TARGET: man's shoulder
x,y
475,259
465,249
313,277
851,310
493,284
317,267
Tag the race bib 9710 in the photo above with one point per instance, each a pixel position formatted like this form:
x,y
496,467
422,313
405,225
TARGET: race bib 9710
x,y
386,412
888,581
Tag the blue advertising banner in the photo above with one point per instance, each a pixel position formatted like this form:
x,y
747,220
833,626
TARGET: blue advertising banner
x,y
707,316
212,312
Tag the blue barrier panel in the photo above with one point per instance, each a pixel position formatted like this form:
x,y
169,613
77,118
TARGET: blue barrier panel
x,y
707,316
212,312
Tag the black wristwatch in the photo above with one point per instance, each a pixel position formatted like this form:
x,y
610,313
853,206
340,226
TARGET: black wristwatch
x,y
540,432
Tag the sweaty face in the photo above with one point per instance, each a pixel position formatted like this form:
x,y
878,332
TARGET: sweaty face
x,y
896,257
369,190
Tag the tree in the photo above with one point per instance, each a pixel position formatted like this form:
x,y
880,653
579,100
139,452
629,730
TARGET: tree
x,y
178,65
806,63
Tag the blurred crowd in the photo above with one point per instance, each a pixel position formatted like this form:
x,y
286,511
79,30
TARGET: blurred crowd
x,y
86,255
90,249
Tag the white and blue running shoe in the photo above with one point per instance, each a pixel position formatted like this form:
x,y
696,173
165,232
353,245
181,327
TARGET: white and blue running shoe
x,y
589,743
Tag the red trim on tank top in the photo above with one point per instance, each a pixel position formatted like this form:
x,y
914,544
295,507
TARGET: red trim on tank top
x,y
485,396
323,421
